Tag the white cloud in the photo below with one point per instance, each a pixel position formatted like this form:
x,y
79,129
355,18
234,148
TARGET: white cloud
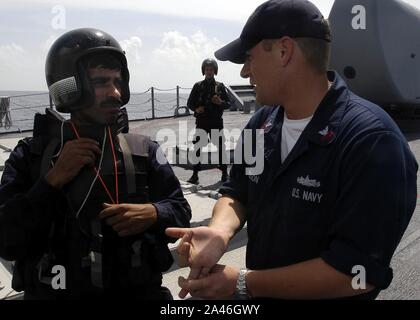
x,y
132,48
179,49
10,50
177,61
19,67
24,66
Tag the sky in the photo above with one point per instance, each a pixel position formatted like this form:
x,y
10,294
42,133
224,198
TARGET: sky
x,y
165,40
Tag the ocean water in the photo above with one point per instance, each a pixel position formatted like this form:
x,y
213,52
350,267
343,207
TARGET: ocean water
x,y
24,105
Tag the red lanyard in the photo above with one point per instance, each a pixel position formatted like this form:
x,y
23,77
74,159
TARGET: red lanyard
x,y
115,166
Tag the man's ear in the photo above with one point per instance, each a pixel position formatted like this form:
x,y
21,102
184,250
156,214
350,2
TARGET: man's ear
x,y
286,47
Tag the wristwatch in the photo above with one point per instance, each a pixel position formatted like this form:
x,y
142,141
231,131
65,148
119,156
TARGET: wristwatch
x,y
241,291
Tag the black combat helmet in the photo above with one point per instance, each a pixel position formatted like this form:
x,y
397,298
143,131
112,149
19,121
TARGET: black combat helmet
x,y
209,62
66,74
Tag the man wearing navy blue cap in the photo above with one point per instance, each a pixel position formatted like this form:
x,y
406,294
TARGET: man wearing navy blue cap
x,y
339,183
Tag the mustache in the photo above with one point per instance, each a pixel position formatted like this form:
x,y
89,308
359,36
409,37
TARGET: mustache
x,y
112,103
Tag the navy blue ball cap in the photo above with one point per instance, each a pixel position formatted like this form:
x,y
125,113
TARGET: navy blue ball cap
x,y
275,19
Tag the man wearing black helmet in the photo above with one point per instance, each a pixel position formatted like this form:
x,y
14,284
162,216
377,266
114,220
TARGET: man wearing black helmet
x,y
208,99
84,194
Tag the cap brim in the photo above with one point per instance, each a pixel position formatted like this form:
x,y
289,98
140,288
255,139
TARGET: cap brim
x,y
234,51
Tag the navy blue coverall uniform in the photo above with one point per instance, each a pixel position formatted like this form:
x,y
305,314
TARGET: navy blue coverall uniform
x,y
345,193
29,206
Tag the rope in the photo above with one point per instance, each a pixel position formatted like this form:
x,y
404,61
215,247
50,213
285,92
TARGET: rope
x,y
139,104
24,104
141,93
165,89
30,95
19,120
148,110
165,109
27,107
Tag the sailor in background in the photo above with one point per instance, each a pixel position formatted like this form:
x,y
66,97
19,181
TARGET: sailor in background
x,y
208,99
83,193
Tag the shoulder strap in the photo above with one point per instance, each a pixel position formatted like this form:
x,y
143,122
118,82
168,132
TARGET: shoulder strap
x,y
134,144
138,144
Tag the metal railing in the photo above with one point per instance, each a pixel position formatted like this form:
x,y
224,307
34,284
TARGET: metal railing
x,y
153,103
